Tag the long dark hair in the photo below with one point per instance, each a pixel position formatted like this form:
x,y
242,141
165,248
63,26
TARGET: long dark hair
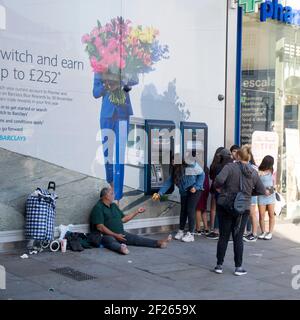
x,y
178,172
177,168
216,161
267,164
225,160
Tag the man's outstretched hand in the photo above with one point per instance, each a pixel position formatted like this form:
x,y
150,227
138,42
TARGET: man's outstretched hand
x,y
120,237
130,216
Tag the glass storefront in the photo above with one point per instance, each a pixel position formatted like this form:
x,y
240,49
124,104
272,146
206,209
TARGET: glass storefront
x,y
270,98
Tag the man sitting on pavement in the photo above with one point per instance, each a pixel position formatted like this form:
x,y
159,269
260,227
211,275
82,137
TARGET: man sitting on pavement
x,y
107,218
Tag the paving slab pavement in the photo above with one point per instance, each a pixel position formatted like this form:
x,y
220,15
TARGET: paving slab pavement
x,y
181,271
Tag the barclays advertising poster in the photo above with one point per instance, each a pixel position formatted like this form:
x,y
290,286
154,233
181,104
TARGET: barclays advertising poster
x,y
71,70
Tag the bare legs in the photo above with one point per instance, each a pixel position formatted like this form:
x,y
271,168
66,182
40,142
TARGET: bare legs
x,y
201,215
253,219
262,211
271,213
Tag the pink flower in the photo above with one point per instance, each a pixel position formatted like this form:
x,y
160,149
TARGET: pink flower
x,y
122,64
110,59
112,44
98,43
123,52
98,66
140,55
85,38
108,27
147,60
135,51
134,41
95,32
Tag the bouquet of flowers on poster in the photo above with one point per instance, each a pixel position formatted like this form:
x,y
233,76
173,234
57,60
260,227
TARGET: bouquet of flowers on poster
x,y
120,52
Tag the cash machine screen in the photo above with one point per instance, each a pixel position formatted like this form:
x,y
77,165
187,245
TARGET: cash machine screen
x,y
194,142
160,151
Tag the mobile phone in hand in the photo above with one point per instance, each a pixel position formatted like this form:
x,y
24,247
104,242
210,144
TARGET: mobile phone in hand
x,y
271,189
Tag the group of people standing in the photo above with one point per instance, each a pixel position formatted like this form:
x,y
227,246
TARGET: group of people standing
x,y
231,172
263,203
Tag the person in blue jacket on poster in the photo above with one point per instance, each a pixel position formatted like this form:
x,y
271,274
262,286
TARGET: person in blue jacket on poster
x,y
115,117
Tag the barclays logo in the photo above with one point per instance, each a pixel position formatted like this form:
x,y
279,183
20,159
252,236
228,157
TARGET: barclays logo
x,y
2,18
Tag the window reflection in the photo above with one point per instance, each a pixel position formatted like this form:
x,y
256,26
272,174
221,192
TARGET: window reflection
x,y
271,95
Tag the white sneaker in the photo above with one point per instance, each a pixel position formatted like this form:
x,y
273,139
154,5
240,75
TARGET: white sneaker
x,y
188,237
268,236
179,235
240,271
262,235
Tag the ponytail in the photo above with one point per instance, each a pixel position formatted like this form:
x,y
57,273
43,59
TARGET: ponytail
x,y
244,153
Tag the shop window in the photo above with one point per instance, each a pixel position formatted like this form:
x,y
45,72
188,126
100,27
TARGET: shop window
x,y
270,90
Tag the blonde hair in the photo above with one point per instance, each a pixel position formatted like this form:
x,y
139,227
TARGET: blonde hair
x,y
244,153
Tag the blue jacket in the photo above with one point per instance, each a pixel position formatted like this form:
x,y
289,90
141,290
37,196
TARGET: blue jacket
x,y
108,108
194,177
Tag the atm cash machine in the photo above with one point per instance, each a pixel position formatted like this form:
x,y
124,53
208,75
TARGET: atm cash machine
x,y
194,140
160,148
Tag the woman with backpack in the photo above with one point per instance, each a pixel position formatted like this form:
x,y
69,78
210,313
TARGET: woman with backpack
x,y
189,178
237,178
266,203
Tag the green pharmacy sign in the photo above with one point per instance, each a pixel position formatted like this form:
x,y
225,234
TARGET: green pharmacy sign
x,y
248,5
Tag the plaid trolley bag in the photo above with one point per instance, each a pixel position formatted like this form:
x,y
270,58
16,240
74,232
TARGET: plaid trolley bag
x,y
40,214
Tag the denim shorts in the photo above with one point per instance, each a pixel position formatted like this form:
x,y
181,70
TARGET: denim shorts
x,y
265,200
253,200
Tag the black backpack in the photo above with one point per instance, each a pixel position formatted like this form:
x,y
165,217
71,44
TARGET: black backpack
x,y
235,203
242,201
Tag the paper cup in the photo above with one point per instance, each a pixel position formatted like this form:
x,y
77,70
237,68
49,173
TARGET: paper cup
x,y
63,245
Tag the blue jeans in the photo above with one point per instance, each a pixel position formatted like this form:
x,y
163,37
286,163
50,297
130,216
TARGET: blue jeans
x,y
111,243
114,143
